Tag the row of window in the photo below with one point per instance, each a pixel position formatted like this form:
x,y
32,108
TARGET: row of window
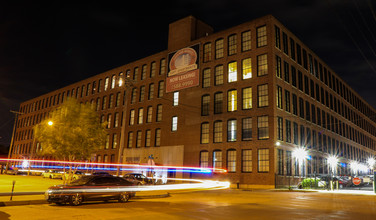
x,y
232,44
311,139
309,87
95,87
305,110
300,55
217,160
232,130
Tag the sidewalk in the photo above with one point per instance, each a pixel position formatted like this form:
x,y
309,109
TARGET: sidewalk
x,y
29,190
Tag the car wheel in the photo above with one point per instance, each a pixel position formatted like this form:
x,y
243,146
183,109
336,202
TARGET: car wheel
x,y
124,197
76,199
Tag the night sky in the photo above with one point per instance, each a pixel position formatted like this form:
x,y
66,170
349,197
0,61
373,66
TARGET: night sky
x,y
44,47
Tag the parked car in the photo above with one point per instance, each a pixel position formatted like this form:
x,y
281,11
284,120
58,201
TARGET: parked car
x,y
76,174
52,174
15,171
90,188
138,179
101,173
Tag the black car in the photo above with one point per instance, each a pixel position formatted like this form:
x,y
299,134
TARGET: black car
x,y
90,188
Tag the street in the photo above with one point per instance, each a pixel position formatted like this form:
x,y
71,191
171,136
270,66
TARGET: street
x,y
218,204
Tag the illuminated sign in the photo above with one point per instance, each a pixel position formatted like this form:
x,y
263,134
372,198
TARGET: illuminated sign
x,y
183,70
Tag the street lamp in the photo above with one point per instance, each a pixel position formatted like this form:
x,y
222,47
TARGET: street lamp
x,y
50,123
332,161
300,155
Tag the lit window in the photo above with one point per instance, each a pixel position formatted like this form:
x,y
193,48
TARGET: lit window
x,y
205,102
262,65
246,40
218,75
261,36
232,44
217,159
147,138
206,78
217,131
231,130
205,133
247,98
176,98
263,127
157,137
247,129
247,68
131,118
246,160
207,52
218,48
174,126
113,81
263,160
232,100
140,115
232,72
204,159
263,97
106,82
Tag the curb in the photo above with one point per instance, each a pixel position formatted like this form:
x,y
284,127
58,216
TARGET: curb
x,y
42,201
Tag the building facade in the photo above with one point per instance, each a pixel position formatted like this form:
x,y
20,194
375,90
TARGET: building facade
x,y
242,99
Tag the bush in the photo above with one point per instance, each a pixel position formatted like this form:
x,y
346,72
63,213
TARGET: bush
x,y
311,183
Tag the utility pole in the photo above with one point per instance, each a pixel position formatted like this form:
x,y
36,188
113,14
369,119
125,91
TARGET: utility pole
x,y
13,134
128,84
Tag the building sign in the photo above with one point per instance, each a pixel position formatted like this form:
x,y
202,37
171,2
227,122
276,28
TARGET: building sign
x,y
183,70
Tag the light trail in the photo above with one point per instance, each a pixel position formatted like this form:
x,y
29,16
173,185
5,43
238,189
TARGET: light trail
x,y
198,185
85,164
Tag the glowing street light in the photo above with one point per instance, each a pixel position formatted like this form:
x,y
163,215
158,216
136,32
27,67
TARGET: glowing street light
x,y
300,154
50,123
333,161
371,162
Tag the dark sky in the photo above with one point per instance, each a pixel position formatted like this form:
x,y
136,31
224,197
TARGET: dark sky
x,y
47,46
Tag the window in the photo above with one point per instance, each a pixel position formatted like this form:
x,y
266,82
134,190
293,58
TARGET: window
x,y
117,102
142,93
104,102
263,97
134,93
135,73
296,136
106,82
116,120
263,160
131,118
247,68
280,162
205,103
160,89
261,36
292,47
279,97
262,127
293,76
159,113
280,128
285,43
232,44
288,131
278,67
277,37
147,138
204,133
153,69
246,160
231,161
111,101
294,104
218,102
247,129
143,73
114,141
232,100
286,69
157,137
151,91
231,130
218,75
149,116
207,52
162,67
246,41
262,65
217,132
113,81
287,101
218,48
232,72
204,159
206,78
247,98
107,143
217,159
130,139
174,126
288,163
176,99
140,115
138,141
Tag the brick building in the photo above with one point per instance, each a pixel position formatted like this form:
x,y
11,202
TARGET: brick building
x,y
242,99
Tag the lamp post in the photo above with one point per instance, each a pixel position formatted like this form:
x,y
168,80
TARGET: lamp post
x,y
128,83
300,155
333,161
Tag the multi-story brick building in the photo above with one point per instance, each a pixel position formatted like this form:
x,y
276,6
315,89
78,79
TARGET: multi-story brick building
x,y
242,99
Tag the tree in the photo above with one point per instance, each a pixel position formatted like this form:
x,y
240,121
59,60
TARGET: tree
x,y
72,132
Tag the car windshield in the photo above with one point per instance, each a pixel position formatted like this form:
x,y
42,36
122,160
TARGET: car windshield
x,y
81,181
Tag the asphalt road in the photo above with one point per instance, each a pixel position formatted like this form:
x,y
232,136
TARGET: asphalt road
x,y
219,204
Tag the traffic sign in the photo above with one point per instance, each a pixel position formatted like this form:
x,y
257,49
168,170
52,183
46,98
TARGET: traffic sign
x,y
356,181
